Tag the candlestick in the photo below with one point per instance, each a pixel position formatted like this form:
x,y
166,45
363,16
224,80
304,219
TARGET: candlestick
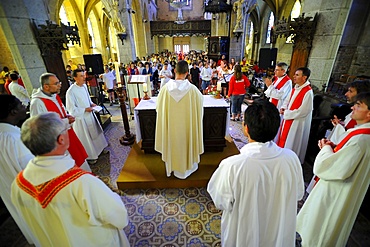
x,y
146,97
219,86
118,75
127,139
145,87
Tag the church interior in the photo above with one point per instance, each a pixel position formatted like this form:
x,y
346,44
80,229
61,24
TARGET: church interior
x,y
327,36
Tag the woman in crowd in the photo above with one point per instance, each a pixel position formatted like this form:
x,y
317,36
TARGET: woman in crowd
x,y
237,89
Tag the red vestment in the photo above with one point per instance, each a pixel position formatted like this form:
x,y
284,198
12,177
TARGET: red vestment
x,y
76,149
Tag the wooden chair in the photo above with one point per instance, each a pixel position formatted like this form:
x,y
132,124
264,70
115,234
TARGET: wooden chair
x,y
351,78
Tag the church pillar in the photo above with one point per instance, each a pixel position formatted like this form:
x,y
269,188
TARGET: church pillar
x,y
15,19
127,51
332,18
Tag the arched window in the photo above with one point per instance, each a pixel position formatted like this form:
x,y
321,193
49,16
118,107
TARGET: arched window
x,y
251,32
296,12
91,33
64,19
269,27
63,15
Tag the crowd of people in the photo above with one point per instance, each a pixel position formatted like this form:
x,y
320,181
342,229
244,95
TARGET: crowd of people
x,y
47,184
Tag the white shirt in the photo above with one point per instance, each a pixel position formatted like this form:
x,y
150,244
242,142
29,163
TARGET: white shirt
x,y
108,79
258,191
167,73
206,74
19,92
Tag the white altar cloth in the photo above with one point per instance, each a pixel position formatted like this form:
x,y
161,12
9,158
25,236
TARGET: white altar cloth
x,y
208,101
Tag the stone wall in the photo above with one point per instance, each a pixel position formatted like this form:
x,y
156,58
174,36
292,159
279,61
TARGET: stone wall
x,y
6,58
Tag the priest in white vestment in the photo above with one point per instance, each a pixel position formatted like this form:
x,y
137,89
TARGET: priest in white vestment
x,y
328,215
179,126
14,155
86,125
340,127
281,87
258,189
62,204
297,115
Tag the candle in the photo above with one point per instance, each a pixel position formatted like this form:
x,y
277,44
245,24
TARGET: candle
x,y
118,76
145,87
218,85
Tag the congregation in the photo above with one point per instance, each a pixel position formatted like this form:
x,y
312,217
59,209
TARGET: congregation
x,y
60,141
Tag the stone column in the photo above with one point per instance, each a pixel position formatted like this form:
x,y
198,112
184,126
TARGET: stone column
x,y
16,20
333,16
127,51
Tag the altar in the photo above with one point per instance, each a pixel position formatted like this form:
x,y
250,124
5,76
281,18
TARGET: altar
x,y
216,120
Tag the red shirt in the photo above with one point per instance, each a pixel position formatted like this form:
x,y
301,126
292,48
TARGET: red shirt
x,y
238,87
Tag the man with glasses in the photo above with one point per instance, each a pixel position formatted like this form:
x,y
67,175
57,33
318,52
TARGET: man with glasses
x,y
280,87
62,204
46,99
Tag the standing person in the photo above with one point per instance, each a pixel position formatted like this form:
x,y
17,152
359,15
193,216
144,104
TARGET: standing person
x,y
14,155
237,89
280,87
17,90
297,115
93,83
258,189
132,70
206,74
3,79
328,215
148,71
86,126
108,79
195,73
46,99
341,125
62,204
180,107
165,74
214,73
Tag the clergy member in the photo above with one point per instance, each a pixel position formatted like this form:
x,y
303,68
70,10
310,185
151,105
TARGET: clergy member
x,y
46,99
14,155
179,128
86,125
297,115
340,126
62,204
328,215
258,189
280,87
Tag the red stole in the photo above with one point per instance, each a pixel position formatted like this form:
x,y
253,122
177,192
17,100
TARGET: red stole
x,y
76,149
351,124
279,86
45,192
286,124
341,144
